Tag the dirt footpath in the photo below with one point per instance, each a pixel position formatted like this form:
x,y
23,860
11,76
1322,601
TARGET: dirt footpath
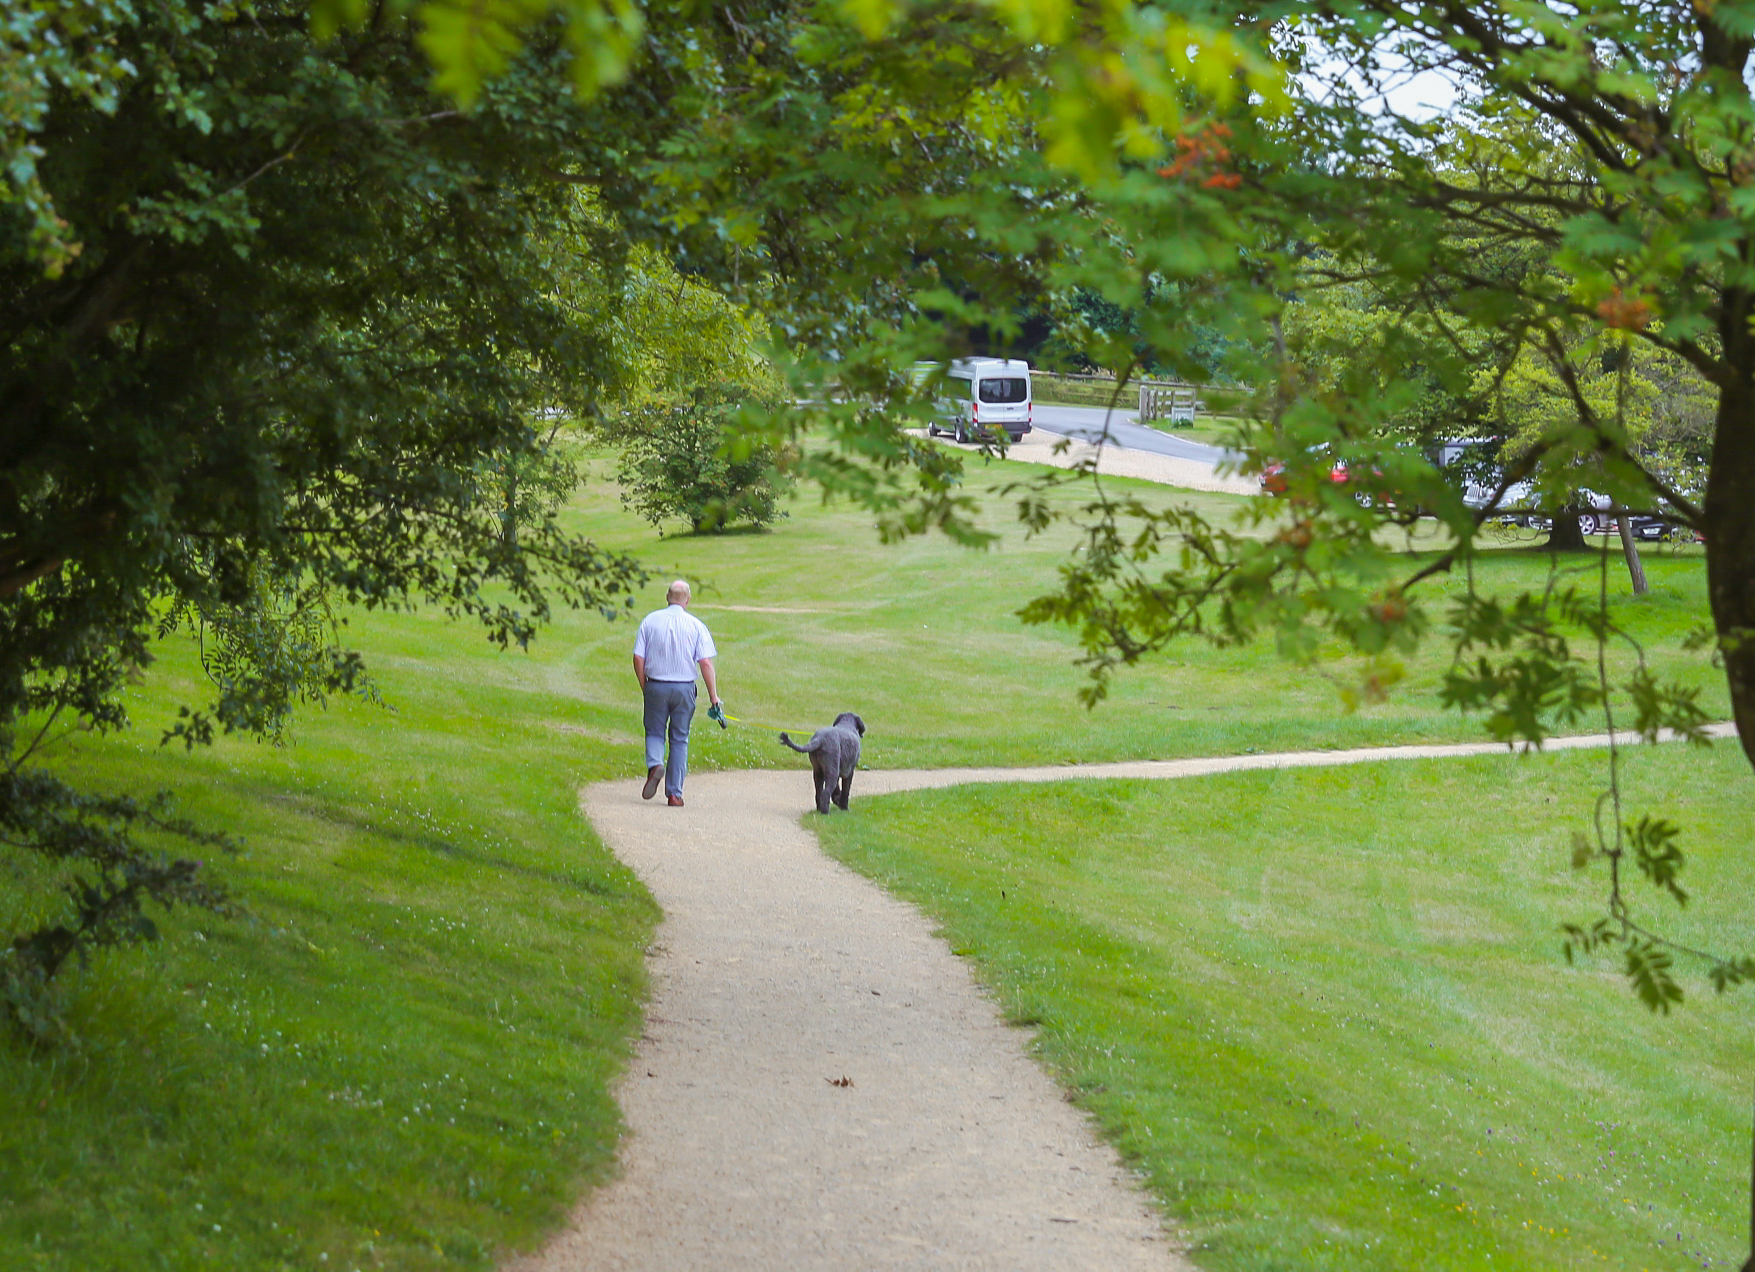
x,y
821,1085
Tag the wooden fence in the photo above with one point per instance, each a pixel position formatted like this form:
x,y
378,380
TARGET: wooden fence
x,y
1164,400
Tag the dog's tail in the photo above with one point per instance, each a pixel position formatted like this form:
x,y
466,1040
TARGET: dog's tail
x,y
802,750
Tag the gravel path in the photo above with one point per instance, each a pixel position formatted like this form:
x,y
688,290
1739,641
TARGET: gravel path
x,y
821,1084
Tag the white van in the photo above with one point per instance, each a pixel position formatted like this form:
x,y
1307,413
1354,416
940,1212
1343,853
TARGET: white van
x,y
984,395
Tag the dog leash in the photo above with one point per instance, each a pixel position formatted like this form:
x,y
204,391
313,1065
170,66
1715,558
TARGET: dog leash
x,y
718,713
722,716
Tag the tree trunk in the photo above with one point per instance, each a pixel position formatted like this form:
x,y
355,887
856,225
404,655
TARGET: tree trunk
x,y
1730,520
1630,552
1750,1265
1565,535
509,517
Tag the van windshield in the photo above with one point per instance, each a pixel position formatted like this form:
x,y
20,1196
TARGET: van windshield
x,y
1010,389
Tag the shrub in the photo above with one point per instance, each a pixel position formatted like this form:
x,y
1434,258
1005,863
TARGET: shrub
x,y
679,461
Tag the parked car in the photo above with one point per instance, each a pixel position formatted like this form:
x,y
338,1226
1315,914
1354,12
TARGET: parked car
x,y
1522,501
1659,529
1273,477
1519,495
985,395
1598,521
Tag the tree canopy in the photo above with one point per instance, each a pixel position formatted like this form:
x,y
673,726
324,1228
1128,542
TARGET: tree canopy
x,y
276,317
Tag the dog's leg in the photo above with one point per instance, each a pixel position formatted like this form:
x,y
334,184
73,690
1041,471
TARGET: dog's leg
x,y
845,794
824,783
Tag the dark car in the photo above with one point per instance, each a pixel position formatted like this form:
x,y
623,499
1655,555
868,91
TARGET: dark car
x,y
1658,529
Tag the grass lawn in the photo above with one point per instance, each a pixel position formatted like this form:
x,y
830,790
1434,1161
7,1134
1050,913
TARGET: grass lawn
x,y
403,1057
922,639
1208,430
1325,1012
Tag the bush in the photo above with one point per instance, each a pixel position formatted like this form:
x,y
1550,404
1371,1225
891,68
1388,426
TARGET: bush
x,y
1223,400
679,462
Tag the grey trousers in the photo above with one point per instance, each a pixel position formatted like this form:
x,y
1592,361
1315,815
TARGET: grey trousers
x,y
670,708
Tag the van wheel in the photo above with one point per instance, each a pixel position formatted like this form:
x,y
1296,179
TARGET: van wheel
x,y
961,435
1587,525
932,430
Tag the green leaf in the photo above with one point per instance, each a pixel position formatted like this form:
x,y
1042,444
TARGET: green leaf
x,y
469,42
1648,968
1653,841
331,16
874,18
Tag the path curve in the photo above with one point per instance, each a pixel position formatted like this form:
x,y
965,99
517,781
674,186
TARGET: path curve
x,y
777,973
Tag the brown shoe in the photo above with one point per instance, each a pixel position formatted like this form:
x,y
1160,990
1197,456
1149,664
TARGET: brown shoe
x,y
676,801
654,775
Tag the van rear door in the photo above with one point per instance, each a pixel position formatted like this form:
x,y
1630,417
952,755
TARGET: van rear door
x,y
1003,401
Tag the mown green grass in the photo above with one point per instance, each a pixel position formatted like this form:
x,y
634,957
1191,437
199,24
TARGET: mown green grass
x,y
1325,1011
923,640
436,934
1208,430
402,1057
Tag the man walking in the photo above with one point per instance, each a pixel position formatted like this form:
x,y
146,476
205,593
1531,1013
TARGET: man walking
x,y
670,645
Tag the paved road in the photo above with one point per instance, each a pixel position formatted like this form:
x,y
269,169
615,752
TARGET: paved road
x,y
1086,423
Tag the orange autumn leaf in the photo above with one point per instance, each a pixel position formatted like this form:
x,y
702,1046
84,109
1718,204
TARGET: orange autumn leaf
x,y
1628,313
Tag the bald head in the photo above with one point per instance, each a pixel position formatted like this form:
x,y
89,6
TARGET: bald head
x,y
678,593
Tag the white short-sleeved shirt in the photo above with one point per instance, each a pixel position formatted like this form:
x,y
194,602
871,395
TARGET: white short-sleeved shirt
x,y
672,641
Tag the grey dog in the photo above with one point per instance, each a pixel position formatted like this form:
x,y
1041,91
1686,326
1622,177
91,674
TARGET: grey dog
x,y
834,754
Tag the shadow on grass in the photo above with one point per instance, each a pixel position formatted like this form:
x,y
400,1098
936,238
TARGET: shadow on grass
x,y
445,848
717,532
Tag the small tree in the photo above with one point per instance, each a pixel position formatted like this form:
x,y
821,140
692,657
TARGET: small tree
x,y
677,462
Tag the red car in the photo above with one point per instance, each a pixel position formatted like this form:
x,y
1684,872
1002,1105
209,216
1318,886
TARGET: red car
x,y
1273,477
